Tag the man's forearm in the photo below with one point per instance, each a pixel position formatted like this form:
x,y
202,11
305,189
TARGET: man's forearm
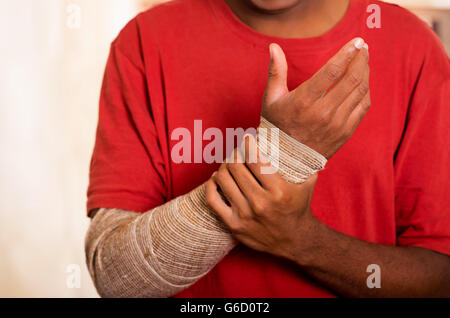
x,y
340,262
164,251
156,254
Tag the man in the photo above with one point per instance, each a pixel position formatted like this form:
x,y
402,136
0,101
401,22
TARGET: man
x,y
382,200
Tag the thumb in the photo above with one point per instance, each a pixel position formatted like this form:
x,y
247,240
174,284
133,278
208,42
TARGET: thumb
x,y
277,80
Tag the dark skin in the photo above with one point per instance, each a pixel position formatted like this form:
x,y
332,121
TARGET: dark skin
x,y
270,215
290,18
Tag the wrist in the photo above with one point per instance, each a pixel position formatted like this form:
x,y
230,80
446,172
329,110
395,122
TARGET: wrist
x,y
295,161
306,244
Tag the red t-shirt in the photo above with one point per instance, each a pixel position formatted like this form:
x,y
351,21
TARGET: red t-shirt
x,y
192,60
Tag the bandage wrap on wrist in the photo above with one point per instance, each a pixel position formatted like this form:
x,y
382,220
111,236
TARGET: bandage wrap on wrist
x,y
294,161
164,251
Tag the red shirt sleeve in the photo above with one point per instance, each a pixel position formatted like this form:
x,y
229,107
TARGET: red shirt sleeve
x,y
422,163
127,169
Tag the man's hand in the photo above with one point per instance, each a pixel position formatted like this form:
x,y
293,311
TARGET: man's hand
x,y
323,112
265,212
270,215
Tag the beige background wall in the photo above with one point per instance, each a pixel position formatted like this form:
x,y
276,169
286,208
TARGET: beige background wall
x,y
51,67
51,72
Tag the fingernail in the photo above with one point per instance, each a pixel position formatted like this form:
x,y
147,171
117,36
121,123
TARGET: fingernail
x,y
366,46
359,43
214,174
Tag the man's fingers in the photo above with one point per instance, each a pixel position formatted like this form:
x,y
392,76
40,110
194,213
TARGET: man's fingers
x,y
215,201
333,70
359,112
353,79
277,79
229,187
352,101
243,177
260,167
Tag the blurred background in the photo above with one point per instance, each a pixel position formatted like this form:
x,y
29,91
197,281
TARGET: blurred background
x,y
53,56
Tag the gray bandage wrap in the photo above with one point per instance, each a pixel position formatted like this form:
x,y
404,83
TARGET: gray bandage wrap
x,y
164,251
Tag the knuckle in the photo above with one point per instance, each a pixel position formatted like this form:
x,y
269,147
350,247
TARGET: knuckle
x,y
309,97
221,174
260,207
336,126
324,118
278,196
333,71
354,78
348,132
306,94
363,89
282,201
366,105
273,72
302,97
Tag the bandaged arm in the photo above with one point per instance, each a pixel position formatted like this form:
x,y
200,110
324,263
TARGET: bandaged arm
x,y
166,250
